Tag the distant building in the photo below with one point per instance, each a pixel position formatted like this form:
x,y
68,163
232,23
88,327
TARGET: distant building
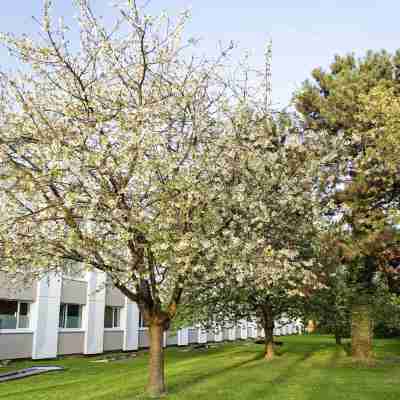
x,y
82,315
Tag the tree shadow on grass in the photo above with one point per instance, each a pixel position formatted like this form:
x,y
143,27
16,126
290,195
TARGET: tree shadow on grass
x,y
260,387
284,377
180,385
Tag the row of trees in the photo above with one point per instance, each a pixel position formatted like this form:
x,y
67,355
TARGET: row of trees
x,y
160,169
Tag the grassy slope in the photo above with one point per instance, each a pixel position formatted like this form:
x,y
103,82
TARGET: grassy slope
x,y
309,368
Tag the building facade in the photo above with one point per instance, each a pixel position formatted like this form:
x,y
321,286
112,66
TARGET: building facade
x,y
83,315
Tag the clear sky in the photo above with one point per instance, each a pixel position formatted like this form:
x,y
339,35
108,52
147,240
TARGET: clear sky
x,y
305,33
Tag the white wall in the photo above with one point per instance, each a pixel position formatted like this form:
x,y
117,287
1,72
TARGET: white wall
x,y
130,325
93,319
44,318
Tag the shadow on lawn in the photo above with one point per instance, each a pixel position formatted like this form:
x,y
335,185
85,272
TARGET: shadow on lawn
x,y
179,386
284,377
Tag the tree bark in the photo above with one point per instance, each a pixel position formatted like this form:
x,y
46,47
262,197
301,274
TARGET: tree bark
x,y
269,343
311,326
338,334
361,332
156,385
338,338
268,322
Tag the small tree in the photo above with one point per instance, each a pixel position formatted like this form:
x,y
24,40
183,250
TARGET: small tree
x,y
272,208
330,306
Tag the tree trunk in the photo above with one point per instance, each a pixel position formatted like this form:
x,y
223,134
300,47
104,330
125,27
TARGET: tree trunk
x,y
269,342
268,321
338,334
156,385
361,332
338,338
311,326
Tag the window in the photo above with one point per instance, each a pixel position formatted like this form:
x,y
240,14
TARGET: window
x,y
23,321
142,322
14,315
111,317
70,316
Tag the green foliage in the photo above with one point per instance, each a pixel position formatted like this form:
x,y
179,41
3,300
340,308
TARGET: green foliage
x,y
383,330
333,99
358,99
386,314
330,306
273,213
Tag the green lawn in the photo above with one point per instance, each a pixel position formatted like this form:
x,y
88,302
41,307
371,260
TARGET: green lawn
x,y
307,368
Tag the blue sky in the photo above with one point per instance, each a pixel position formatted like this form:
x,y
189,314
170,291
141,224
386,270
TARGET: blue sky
x,y
305,33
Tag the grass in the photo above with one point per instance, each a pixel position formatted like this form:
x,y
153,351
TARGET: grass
x,y
308,368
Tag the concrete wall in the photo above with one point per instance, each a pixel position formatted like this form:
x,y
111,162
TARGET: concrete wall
x,y
238,332
225,334
45,313
73,291
70,342
114,297
144,338
172,339
20,292
93,313
15,345
193,335
113,340
130,325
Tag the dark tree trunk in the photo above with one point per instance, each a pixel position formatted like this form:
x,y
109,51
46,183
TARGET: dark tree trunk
x,y
338,337
268,322
361,332
338,333
156,385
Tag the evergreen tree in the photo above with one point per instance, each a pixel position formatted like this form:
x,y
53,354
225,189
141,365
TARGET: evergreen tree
x,y
356,99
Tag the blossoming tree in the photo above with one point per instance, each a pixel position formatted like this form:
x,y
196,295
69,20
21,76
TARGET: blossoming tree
x,y
274,210
105,158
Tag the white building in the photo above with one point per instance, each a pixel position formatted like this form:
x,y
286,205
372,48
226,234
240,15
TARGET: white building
x,y
82,315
